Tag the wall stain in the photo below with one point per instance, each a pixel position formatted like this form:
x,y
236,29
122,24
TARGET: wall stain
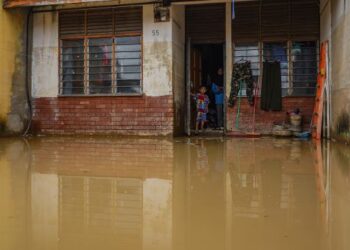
x,y
12,67
343,124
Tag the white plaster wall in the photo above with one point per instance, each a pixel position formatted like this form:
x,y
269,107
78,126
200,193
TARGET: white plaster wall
x,y
325,21
45,80
335,23
157,55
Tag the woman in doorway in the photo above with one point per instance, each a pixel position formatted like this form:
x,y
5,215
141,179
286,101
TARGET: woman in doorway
x,y
217,88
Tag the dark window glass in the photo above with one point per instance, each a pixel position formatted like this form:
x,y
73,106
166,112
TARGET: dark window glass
x,y
100,65
72,71
304,58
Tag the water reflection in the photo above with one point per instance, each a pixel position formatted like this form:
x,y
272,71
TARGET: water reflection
x,y
183,194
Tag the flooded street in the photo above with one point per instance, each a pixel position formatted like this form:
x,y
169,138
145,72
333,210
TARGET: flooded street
x,y
61,193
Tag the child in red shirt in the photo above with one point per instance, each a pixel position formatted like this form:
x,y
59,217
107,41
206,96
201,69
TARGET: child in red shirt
x,y
202,102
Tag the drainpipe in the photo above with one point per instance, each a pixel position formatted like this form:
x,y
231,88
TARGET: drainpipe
x,y
28,73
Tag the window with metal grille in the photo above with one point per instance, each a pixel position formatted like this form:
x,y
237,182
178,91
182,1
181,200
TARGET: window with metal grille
x,y
101,51
286,31
299,63
304,67
248,52
278,51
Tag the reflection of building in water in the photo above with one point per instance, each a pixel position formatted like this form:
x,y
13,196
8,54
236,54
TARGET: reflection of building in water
x,y
62,194
259,178
14,163
116,194
89,206
273,200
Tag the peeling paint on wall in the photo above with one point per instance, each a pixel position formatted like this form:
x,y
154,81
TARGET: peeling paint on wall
x,y
157,55
45,55
12,56
335,23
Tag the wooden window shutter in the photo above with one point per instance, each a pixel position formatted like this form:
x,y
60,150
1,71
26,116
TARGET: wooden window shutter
x,y
280,20
100,21
128,20
72,23
275,21
245,26
206,23
305,20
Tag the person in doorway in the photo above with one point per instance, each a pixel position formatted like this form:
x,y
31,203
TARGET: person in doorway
x,y
217,88
202,102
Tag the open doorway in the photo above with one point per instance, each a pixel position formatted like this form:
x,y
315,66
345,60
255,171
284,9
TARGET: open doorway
x,y
206,65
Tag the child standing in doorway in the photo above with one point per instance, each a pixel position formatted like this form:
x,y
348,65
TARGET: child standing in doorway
x,y
202,102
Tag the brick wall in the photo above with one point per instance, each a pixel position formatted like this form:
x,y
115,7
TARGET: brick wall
x,y
139,115
264,120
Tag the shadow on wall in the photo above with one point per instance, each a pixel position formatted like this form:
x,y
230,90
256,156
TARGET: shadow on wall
x,y
2,126
343,126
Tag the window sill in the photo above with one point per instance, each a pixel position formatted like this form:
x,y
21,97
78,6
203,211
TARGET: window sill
x,y
103,95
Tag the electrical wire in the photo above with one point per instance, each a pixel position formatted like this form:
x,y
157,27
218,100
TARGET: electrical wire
x,y
27,75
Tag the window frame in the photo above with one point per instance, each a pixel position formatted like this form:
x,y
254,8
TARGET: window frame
x,y
289,44
247,45
85,39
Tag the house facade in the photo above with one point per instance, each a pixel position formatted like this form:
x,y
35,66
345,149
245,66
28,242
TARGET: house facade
x,y
108,70
129,67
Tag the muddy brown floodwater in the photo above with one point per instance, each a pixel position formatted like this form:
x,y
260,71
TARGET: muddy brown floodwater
x,y
182,194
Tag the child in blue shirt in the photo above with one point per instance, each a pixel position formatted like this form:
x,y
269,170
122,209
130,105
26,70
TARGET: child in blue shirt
x,y
219,102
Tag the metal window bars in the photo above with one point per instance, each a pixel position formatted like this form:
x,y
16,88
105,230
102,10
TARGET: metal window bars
x,y
299,63
101,66
101,51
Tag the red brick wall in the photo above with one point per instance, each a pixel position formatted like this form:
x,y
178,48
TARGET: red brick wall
x,y
139,115
264,120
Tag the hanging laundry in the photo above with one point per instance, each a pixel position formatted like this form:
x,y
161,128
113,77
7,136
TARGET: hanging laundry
x,y
271,90
242,75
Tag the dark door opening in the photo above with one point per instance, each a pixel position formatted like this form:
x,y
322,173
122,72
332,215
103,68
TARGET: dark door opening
x,y
205,61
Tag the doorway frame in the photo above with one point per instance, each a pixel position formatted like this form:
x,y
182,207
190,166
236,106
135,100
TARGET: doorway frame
x,y
227,65
189,48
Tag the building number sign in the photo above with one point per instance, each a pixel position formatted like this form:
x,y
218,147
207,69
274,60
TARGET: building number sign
x,y
155,32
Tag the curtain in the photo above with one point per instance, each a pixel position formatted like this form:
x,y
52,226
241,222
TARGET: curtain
x,y
271,90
